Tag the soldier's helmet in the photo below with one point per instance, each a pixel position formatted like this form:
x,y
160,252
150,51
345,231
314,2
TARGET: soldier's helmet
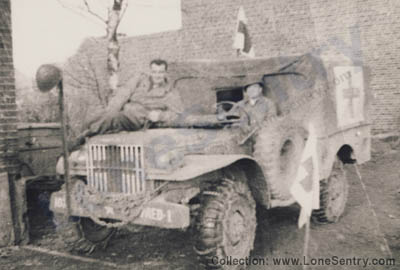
x,y
47,77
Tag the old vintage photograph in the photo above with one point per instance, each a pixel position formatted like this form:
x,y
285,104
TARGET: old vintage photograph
x,y
199,134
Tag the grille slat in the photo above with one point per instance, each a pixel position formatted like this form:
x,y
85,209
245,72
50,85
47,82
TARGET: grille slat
x,y
119,163
131,177
116,168
130,184
89,166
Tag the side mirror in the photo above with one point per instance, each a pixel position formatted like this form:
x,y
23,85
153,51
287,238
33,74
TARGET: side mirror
x,y
47,77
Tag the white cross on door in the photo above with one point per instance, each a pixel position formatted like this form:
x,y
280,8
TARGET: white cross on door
x,y
349,87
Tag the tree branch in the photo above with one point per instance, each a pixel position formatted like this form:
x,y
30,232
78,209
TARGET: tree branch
x,y
80,12
121,14
125,3
93,13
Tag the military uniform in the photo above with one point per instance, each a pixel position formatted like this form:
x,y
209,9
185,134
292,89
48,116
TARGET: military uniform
x,y
258,111
128,109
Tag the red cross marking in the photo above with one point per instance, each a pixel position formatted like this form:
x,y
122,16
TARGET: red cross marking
x,y
307,182
351,93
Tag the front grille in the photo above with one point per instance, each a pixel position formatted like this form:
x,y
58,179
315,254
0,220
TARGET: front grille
x,y
116,168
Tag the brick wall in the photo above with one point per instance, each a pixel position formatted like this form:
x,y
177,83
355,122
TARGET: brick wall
x,y
8,131
367,31
8,110
371,29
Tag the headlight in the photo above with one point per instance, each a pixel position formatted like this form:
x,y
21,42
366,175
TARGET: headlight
x,y
169,160
77,161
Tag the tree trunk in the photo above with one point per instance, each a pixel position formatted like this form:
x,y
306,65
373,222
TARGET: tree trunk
x,y
113,45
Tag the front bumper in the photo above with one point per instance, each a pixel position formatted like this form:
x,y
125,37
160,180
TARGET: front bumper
x,y
156,212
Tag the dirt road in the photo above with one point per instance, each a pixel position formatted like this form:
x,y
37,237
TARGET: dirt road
x,y
358,239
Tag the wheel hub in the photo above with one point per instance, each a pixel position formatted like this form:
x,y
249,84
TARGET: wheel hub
x,y
236,228
336,197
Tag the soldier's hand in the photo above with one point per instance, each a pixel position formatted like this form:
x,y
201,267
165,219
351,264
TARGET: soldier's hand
x,y
154,116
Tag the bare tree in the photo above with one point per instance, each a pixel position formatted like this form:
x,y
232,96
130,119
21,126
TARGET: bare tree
x,y
114,18
111,20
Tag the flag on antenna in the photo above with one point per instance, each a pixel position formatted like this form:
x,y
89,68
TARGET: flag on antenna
x,y
242,41
305,188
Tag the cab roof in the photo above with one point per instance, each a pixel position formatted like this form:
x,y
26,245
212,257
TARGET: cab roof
x,y
250,69
283,77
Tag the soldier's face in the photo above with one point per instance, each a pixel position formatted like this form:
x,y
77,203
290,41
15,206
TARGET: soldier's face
x,y
254,91
158,73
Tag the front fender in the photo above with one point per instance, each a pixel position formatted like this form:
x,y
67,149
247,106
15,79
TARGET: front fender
x,y
196,165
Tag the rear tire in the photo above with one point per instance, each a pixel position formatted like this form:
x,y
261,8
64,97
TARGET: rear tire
x,y
227,223
333,196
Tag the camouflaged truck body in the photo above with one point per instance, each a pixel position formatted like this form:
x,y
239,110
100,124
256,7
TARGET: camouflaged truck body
x,y
195,150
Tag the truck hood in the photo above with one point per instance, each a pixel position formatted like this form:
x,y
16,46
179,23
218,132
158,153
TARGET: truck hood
x,y
164,149
197,140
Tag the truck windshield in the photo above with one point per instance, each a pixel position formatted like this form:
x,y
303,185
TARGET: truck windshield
x,y
200,97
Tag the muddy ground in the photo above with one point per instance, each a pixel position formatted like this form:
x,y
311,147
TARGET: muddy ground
x,y
359,234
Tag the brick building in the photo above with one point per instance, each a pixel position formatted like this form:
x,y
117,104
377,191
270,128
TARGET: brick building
x,y
366,31
8,124
8,110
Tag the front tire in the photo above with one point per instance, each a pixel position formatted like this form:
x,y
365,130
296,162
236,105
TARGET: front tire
x,y
227,224
278,148
93,232
81,233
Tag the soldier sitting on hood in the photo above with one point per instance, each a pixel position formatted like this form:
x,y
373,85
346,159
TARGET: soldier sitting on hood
x,y
149,99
